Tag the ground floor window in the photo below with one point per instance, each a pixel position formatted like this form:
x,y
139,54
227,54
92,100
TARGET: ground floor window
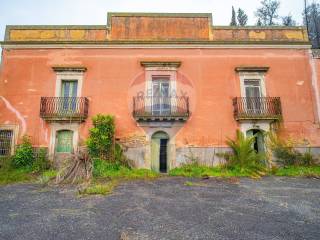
x,y
64,141
6,141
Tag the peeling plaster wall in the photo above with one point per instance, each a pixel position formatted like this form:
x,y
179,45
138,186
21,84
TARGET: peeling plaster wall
x,y
114,76
159,28
259,34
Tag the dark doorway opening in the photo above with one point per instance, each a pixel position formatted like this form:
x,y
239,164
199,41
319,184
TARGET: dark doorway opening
x,y
163,155
258,144
255,145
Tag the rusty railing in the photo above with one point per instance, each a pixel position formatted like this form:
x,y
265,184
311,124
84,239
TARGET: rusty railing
x,y
64,108
151,107
257,108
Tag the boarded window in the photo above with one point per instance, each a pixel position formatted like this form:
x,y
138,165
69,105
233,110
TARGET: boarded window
x,y
64,141
6,137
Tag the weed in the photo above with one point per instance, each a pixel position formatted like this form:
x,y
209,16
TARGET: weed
x,y
99,188
194,184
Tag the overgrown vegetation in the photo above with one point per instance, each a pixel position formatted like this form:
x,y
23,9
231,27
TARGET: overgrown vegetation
x,y
285,153
25,165
103,169
47,176
244,161
298,171
24,156
9,175
101,137
244,157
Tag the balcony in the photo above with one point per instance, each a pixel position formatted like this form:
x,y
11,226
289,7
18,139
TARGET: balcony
x,y
64,109
255,108
161,108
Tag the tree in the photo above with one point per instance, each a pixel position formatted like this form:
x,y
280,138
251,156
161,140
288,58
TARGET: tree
x,y
233,18
242,17
312,20
288,21
259,23
268,12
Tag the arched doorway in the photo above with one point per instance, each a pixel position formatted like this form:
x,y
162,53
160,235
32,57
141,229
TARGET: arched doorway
x,y
259,144
159,152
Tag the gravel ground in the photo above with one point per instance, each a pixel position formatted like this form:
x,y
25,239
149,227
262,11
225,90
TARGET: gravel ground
x,y
272,208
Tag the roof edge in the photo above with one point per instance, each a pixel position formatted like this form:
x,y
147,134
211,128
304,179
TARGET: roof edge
x,y
156,14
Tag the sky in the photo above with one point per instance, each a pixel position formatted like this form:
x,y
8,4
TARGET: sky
x,y
94,12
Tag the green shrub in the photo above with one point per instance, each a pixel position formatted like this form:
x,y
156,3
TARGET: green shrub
x,y
244,156
41,162
101,140
24,154
307,159
285,153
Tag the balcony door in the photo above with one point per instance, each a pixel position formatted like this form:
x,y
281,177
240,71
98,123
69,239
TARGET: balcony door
x,y
160,96
253,96
69,93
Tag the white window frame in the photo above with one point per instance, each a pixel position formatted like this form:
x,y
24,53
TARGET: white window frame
x,y
253,76
151,72
68,76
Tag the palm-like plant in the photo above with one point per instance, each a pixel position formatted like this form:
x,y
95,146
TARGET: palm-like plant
x,y
244,155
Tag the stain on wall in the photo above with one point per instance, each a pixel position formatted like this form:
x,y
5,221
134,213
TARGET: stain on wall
x,y
155,27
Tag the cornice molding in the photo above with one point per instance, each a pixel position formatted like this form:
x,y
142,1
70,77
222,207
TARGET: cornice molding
x,y
69,69
252,69
104,45
172,64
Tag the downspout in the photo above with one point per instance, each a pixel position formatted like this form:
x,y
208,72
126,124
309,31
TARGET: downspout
x,y
315,84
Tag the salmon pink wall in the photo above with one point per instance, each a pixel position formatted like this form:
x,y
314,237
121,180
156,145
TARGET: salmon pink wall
x,y
113,75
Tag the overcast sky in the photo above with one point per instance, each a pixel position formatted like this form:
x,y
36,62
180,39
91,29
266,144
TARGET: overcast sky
x,y
87,12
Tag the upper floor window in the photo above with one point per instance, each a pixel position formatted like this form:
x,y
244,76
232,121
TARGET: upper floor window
x,y
161,86
252,88
252,81
69,81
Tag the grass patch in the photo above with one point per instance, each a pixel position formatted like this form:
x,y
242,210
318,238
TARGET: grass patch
x,y
297,171
194,171
9,176
194,184
202,171
99,188
103,169
46,176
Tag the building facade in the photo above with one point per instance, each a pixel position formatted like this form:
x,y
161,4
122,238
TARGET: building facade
x,y
177,85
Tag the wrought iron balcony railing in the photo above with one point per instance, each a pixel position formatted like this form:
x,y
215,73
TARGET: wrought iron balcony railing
x,y
161,108
257,108
64,108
